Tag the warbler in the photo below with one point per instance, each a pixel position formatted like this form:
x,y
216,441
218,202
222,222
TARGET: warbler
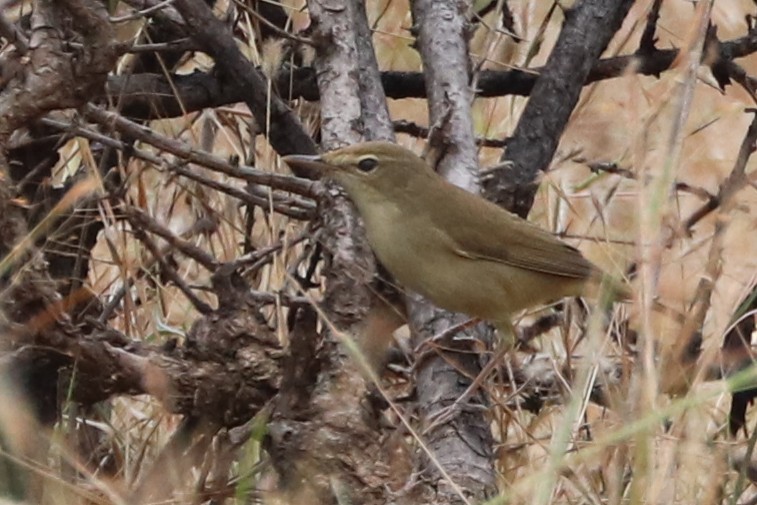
x,y
457,249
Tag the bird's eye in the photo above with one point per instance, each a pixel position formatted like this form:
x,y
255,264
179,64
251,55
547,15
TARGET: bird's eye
x,y
367,164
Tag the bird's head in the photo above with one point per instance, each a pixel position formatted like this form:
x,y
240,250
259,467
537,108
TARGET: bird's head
x,y
369,169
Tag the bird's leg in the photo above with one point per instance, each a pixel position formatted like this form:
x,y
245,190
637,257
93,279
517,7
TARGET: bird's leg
x,y
508,337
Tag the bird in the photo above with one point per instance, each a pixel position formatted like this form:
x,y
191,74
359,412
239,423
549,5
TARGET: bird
x,y
457,249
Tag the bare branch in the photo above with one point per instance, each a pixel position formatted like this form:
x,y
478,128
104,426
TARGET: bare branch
x,y
285,132
177,148
448,379
587,30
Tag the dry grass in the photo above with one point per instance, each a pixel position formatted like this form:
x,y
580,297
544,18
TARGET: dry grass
x,y
648,446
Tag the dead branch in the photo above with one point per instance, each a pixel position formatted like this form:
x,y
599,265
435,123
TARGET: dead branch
x,y
283,129
589,26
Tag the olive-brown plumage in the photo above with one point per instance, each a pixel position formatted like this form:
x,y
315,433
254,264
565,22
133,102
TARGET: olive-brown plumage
x,y
460,251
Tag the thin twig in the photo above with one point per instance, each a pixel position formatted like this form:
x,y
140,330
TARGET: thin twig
x,y
416,130
296,208
615,169
168,270
141,219
142,13
292,184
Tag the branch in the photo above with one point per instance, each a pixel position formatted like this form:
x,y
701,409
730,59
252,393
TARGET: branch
x,y
587,30
320,379
463,443
55,78
177,148
152,96
285,132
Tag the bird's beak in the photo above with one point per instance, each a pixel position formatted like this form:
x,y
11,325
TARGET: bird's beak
x,y
307,163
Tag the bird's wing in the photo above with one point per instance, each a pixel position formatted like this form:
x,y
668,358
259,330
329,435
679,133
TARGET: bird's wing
x,y
482,230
